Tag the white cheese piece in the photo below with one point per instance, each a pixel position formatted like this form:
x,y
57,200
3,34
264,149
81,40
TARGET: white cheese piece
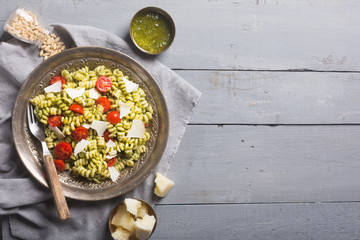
x,y
132,206
144,227
114,174
163,185
124,109
129,85
113,153
122,218
121,234
24,15
87,126
57,131
74,93
56,87
137,129
81,146
110,144
93,93
99,126
142,211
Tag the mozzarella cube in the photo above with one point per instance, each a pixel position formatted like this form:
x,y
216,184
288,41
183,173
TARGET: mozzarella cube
x,y
144,227
121,234
122,218
142,211
163,185
132,206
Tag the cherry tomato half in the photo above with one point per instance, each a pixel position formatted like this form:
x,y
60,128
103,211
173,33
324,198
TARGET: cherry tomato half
x,y
104,102
111,162
80,133
104,84
55,120
113,117
106,136
76,108
60,165
63,150
58,79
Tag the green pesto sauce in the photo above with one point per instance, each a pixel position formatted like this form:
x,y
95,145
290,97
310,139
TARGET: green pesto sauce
x,y
151,32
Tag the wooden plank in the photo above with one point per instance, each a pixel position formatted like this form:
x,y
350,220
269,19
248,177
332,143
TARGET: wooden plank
x,y
252,34
328,221
251,97
252,164
316,221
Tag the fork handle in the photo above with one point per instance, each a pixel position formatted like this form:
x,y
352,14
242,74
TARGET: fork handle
x,y
59,198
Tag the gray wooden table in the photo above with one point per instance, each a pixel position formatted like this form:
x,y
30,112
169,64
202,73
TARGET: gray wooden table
x,y
272,150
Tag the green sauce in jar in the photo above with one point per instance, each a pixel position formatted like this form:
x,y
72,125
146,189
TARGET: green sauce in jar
x,y
151,32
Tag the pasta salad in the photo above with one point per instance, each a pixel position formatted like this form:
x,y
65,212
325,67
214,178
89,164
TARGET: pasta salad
x,y
95,121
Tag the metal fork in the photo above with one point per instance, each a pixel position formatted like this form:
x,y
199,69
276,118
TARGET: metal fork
x,y
37,129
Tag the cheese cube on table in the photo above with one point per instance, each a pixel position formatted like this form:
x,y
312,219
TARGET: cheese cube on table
x,y
121,234
122,218
163,185
144,227
132,206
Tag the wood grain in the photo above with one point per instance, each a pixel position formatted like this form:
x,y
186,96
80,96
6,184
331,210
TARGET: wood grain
x,y
232,34
307,221
252,97
252,164
59,198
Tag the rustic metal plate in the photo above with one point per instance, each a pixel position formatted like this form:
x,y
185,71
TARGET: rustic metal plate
x,y
29,148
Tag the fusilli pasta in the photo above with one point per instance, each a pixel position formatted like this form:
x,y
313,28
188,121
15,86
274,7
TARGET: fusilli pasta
x,y
92,162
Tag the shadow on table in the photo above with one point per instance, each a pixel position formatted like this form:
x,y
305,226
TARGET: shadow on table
x,y
5,37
